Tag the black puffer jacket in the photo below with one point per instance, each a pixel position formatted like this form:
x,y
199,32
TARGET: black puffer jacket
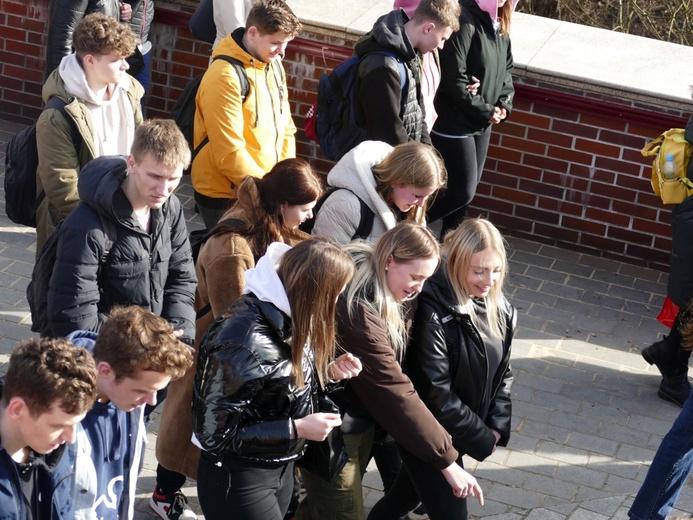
x,y
475,50
64,15
446,360
153,270
243,398
380,108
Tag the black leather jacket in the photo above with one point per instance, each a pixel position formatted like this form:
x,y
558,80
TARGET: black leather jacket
x,y
243,398
446,361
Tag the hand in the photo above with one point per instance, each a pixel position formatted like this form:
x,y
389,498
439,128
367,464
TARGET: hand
x,y
504,113
125,12
178,333
497,116
462,483
473,87
497,435
345,366
316,426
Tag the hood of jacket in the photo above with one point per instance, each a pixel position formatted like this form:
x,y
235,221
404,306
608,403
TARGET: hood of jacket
x,y
76,82
354,172
263,280
84,339
388,33
98,183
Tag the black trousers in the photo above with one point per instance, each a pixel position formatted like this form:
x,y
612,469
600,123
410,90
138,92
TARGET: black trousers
x,y
230,488
464,159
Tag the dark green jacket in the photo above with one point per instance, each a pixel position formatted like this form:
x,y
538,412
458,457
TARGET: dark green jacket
x,y
475,50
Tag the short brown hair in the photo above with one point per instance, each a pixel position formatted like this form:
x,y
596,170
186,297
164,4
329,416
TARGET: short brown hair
x,y
51,371
99,34
133,339
271,16
163,140
445,13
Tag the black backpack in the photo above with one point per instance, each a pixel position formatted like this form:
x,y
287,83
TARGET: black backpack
x,y
335,118
21,163
183,112
365,222
37,290
200,236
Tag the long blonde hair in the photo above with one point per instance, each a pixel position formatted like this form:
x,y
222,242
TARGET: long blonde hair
x,y
313,273
472,236
405,242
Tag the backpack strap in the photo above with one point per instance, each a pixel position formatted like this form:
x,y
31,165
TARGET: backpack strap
x,y
245,89
365,222
400,66
219,229
77,141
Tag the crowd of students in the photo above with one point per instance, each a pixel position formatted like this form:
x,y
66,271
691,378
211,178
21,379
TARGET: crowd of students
x,y
409,341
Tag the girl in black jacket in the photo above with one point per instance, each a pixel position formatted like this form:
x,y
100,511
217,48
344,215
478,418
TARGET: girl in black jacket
x,y
259,369
479,52
458,359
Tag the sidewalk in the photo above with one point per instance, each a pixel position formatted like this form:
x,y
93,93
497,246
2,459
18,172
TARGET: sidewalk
x,y
587,420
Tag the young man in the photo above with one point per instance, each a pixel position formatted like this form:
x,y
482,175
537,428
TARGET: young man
x,y
49,387
137,354
101,102
389,111
129,202
245,137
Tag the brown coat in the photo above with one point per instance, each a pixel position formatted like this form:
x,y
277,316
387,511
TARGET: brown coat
x,y
220,267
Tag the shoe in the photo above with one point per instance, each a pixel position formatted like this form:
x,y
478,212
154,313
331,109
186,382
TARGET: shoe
x,y
676,389
656,354
173,507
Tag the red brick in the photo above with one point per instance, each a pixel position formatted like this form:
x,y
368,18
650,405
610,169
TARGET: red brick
x,y
663,243
618,166
566,127
523,145
546,163
609,217
636,157
26,23
597,148
493,204
557,232
11,58
622,139
542,189
613,192
519,197
631,209
631,237
19,8
656,256
650,226
495,177
561,206
538,215
519,170
510,128
584,226
531,120
571,156
553,138
645,131
566,181
513,222
602,244
22,48
601,122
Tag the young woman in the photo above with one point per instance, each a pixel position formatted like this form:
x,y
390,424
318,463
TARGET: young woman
x,y
394,183
267,210
459,361
259,370
480,49
371,325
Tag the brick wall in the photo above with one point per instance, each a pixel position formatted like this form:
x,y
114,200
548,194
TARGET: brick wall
x,y
565,169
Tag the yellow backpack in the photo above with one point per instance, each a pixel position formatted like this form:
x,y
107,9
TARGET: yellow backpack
x,y
675,190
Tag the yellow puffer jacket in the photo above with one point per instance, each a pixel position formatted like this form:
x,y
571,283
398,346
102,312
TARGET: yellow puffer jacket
x,y
245,138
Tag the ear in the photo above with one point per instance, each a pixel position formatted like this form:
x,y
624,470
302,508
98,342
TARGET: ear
x,y
252,32
429,27
130,161
88,60
16,408
105,371
389,260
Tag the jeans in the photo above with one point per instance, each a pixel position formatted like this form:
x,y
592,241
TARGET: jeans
x,y
669,471
229,488
464,159
424,480
144,77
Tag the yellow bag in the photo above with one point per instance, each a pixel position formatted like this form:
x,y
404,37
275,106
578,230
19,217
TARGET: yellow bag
x,y
671,191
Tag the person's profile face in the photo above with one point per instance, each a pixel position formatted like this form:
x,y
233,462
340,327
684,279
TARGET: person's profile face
x,y
107,68
130,392
267,47
154,182
46,432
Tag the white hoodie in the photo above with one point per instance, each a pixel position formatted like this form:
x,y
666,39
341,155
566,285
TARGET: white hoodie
x,y
263,280
113,121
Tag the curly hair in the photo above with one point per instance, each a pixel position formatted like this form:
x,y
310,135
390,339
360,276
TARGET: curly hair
x,y
99,34
51,370
133,339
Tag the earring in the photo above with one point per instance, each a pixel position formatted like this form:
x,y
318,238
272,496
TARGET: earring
x,y
386,269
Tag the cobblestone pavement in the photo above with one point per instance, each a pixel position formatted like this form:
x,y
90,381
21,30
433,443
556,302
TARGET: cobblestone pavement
x,y
587,420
